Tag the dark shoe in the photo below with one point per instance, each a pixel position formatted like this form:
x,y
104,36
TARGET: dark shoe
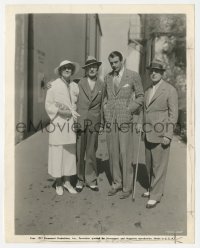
x,y
79,186
151,205
125,195
79,189
113,191
145,195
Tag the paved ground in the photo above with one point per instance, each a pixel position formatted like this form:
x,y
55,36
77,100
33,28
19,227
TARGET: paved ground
x,y
38,210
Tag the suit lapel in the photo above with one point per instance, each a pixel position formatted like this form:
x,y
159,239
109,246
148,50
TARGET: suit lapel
x,y
97,88
158,92
110,82
86,88
123,81
147,97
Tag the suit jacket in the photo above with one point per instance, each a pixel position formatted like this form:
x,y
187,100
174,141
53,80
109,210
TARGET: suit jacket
x,y
90,105
128,99
161,114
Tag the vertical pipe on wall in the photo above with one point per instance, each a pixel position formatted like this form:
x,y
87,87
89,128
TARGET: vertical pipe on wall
x,y
30,71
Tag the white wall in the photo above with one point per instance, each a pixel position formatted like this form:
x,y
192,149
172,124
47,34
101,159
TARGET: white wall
x,y
115,37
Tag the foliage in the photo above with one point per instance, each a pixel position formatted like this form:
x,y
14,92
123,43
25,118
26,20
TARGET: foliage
x,y
167,23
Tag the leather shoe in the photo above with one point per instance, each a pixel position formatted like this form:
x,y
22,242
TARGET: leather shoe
x,y
79,189
145,195
125,195
113,191
151,205
79,186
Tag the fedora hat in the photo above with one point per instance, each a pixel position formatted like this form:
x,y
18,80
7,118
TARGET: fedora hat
x,y
91,61
156,64
66,62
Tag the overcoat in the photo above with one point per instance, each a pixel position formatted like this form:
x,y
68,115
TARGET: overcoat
x,y
61,129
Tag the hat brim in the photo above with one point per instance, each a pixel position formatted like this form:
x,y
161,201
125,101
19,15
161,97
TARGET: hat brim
x,y
160,69
76,65
93,63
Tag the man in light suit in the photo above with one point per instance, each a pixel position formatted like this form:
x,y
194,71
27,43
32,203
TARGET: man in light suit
x,y
119,108
89,124
160,117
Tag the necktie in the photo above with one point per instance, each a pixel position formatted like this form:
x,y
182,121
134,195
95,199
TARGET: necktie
x,y
116,81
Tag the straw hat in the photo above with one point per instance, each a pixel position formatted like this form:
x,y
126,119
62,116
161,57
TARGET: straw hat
x,y
66,62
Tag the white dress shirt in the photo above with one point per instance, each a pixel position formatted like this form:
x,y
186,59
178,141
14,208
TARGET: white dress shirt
x,y
91,83
153,90
117,79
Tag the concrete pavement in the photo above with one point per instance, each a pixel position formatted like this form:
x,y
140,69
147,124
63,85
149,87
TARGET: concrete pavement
x,y
39,211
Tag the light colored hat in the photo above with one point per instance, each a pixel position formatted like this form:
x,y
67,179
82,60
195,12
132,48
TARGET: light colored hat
x,y
156,64
66,62
91,61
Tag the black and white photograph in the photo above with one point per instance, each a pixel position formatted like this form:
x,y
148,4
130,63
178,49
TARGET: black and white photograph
x,y
101,130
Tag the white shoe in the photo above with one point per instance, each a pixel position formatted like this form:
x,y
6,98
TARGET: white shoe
x,y
69,187
146,194
59,190
151,202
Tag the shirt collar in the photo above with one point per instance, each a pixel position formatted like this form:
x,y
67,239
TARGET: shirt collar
x,y
66,82
92,80
158,84
120,72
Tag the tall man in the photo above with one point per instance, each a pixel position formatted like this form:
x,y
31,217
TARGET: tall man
x,y
90,122
160,117
119,108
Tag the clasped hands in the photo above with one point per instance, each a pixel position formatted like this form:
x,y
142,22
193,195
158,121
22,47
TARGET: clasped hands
x,y
65,112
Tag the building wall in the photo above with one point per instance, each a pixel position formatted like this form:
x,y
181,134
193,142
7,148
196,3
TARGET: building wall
x,y
48,39
21,64
93,36
55,38
135,48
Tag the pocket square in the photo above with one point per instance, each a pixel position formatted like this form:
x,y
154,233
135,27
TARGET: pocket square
x,y
126,85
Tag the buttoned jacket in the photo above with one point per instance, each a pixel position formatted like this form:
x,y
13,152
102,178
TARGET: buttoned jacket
x,y
161,113
90,105
120,105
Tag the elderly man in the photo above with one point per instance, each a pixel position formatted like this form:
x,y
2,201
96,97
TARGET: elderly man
x,y
121,84
90,122
160,117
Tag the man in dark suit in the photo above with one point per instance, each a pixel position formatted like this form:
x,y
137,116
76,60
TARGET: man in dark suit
x,y
121,84
89,124
160,117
